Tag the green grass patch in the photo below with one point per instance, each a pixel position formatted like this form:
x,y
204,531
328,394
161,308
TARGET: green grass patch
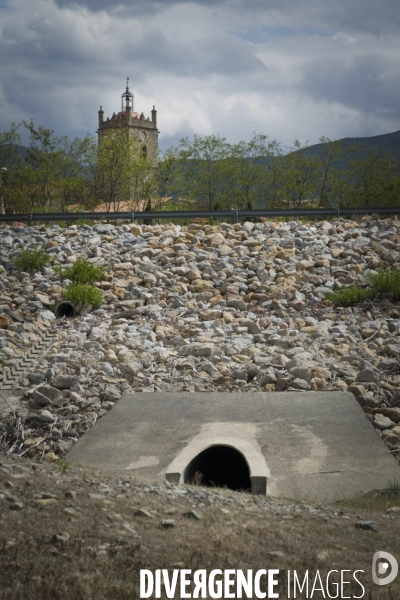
x,y
81,222
32,261
349,296
375,499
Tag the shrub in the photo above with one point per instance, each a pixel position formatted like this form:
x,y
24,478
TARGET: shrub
x,y
349,295
80,293
82,272
32,261
385,284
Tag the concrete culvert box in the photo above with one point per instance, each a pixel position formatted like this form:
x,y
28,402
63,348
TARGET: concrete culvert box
x,y
219,466
64,309
309,446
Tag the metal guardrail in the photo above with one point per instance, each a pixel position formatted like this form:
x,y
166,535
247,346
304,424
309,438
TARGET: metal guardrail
x,y
194,214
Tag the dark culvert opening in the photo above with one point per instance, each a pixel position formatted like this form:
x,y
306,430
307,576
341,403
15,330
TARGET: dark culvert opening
x,y
64,309
219,466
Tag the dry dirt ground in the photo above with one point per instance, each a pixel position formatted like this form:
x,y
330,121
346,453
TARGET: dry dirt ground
x,y
68,533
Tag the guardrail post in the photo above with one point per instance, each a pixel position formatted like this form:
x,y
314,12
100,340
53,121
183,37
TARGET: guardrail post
x,y
132,217
235,216
30,217
337,213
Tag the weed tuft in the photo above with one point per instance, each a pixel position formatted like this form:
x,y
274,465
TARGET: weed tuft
x,y
63,465
394,486
349,296
32,261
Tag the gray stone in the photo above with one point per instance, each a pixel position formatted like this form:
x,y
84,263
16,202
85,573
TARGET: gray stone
x,y
300,372
36,378
342,328
16,506
367,525
193,514
323,290
197,349
143,512
300,384
267,378
239,375
106,228
46,416
64,382
40,399
391,439
366,375
383,423
131,368
111,393
168,523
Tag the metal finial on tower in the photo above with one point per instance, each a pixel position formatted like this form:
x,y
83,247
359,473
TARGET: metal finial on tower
x,y
127,96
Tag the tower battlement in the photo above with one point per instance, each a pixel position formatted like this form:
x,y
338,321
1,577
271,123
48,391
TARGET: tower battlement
x,y
143,129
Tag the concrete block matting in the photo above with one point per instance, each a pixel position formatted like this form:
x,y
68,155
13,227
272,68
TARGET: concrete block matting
x,y
310,446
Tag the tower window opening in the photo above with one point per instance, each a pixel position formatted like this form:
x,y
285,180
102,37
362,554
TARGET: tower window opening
x,y
144,151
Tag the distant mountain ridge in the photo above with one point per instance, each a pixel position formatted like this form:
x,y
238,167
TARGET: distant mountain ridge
x,y
388,141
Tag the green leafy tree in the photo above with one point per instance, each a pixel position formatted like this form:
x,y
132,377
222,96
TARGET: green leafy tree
x,y
329,182
275,179
206,171
250,166
39,172
119,172
71,185
374,180
52,175
12,197
168,179
299,176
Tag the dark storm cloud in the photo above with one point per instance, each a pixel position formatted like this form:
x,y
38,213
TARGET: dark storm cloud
x,y
356,15
222,55
366,83
294,68
137,6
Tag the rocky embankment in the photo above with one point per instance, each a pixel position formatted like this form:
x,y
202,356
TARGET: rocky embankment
x,y
196,308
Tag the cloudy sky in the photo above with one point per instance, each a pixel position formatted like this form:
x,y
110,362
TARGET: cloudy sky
x,y
291,69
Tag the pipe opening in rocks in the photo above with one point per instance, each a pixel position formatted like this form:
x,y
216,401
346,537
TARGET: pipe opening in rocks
x,y
220,466
64,309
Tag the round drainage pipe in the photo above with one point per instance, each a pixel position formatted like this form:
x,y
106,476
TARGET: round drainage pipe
x,y
64,309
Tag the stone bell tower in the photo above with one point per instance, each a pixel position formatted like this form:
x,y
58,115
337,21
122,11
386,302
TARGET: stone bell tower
x,y
143,129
